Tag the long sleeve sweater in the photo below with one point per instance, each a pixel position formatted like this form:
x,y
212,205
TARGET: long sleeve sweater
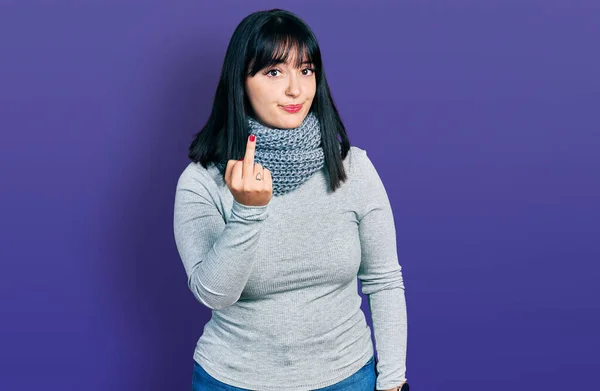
x,y
281,279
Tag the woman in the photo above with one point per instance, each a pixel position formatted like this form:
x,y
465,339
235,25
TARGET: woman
x,y
273,243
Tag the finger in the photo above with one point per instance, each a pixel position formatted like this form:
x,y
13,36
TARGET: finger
x,y
267,177
236,172
228,170
249,157
258,169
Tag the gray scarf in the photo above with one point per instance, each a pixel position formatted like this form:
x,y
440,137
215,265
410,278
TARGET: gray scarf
x,y
292,155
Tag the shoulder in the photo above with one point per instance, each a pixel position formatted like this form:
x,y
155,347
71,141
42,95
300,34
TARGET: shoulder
x,y
195,177
358,162
355,156
354,150
363,174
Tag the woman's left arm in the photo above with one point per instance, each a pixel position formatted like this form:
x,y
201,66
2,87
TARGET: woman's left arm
x,y
381,278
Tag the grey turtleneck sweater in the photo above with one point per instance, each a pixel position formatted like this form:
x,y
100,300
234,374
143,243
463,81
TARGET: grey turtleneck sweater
x,y
281,279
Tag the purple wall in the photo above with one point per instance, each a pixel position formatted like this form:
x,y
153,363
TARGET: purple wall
x,y
482,118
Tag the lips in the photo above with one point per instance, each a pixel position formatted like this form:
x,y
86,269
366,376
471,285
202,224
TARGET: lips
x,y
292,108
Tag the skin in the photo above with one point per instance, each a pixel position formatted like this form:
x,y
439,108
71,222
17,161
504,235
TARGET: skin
x,y
278,86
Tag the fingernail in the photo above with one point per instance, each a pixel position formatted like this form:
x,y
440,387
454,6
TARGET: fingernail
x,y
252,137
240,160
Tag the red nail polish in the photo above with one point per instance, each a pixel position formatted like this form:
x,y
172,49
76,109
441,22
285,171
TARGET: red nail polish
x,y
252,137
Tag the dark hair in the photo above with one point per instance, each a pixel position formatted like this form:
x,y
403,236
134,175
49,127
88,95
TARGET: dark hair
x,y
263,39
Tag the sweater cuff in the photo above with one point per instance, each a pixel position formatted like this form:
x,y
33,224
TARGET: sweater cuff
x,y
249,212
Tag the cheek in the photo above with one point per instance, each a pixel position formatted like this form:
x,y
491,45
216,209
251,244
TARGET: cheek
x,y
255,92
264,94
311,89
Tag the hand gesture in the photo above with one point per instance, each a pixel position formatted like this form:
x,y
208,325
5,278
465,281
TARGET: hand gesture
x,y
249,182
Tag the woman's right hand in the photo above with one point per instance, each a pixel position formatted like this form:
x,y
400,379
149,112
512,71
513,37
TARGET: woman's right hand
x,y
241,178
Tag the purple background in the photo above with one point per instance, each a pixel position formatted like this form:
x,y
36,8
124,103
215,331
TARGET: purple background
x,y
481,117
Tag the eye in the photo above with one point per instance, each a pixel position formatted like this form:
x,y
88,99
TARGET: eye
x,y
269,72
309,69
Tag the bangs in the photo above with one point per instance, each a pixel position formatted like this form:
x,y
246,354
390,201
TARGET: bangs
x,y
275,47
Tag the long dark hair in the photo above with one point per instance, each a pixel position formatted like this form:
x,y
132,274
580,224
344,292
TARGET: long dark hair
x,y
263,39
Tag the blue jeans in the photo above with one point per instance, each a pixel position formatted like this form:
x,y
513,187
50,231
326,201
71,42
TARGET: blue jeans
x,y
361,380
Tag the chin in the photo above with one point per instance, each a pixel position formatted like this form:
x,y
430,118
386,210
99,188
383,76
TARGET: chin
x,y
291,123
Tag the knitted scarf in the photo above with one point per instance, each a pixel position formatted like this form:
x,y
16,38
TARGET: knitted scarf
x,y
292,155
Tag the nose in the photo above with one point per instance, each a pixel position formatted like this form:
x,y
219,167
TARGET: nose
x,y
293,88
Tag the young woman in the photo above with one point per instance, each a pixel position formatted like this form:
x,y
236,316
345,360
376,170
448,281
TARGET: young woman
x,y
275,219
